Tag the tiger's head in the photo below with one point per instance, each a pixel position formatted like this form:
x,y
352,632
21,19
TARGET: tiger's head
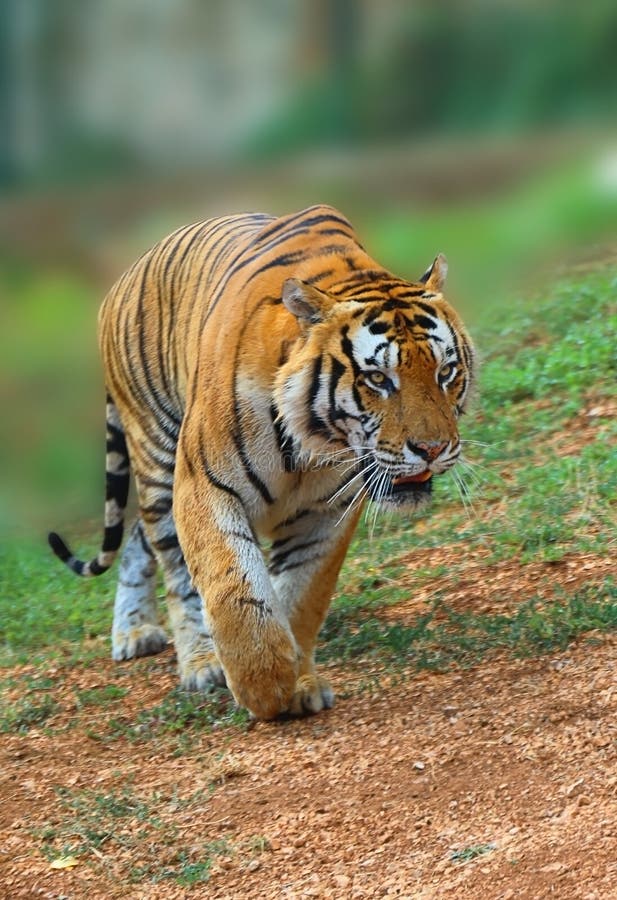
x,y
382,367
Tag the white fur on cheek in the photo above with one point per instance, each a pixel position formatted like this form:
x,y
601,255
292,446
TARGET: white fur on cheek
x,y
440,340
365,347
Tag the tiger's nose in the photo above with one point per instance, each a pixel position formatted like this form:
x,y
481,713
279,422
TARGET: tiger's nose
x,y
427,450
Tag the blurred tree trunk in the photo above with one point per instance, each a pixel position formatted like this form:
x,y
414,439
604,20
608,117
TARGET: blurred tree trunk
x,y
22,89
6,153
331,48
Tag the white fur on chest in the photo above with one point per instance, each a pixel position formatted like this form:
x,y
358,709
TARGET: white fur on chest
x,y
306,486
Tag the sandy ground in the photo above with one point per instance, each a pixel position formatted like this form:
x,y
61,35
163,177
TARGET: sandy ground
x,y
496,781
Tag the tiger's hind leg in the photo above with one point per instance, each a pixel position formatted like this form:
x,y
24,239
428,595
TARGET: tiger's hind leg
x,y
136,631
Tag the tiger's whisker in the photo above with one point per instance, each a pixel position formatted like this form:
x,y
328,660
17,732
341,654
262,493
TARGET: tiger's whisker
x,y
381,492
360,494
484,473
465,495
350,481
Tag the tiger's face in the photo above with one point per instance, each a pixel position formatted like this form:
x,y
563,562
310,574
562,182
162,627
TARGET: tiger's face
x,y
385,374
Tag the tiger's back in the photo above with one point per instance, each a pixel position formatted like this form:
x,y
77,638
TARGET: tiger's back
x,y
195,294
150,321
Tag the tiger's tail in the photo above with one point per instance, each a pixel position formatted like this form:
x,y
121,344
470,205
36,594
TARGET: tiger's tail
x,y
117,475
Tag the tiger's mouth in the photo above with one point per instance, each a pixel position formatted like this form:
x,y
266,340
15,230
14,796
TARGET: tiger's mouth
x,y
402,489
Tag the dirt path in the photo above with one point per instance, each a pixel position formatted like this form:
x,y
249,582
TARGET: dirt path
x,y
498,781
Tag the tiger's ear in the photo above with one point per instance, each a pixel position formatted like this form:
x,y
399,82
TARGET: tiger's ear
x,y
305,302
434,277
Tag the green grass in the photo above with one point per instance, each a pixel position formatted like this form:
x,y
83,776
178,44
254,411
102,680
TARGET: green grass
x,y
472,852
442,636
100,696
41,609
179,713
117,827
33,706
25,714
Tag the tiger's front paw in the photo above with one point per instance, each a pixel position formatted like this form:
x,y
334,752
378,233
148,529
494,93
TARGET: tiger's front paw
x,y
261,663
145,640
312,694
201,671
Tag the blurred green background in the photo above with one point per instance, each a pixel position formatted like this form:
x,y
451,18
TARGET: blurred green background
x,y
484,130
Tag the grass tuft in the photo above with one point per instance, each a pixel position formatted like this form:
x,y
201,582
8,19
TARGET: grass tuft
x,y
25,714
442,636
180,712
472,852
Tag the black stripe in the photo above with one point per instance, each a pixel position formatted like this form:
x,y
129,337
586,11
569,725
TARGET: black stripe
x,y
301,514
297,565
242,536
237,433
113,537
167,542
225,243
178,238
278,560
58,546
150,481
217,483
327,250
285,259
365,292
158,509
363,277
261,605
372,360
424,322
158,455
116,441
425,306
251,474
378,327
411,292
305,223
236,265
283,441
155,396
316,423
201,232
279,224
315,380
331,231
393,303
347,348
117,488
314,279
143,540
337,372
263,244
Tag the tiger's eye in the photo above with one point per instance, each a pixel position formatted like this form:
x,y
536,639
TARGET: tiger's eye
x,y
376,377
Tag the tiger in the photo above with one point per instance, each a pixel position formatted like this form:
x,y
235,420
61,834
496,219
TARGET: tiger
x,y
265,378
